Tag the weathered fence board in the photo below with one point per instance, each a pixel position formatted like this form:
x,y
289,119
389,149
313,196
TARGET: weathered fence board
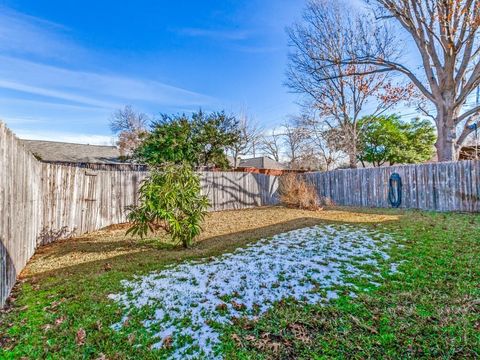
x,y
449,186
21,208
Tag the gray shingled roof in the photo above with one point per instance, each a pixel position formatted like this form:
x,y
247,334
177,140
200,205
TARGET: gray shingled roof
x,y
53,151
262,162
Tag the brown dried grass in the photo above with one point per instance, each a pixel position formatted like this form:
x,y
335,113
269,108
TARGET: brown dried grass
x,y
296,192
223,231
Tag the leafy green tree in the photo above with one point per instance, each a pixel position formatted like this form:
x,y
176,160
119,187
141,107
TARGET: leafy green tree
x,y
386,139
169,141
170,198
199,140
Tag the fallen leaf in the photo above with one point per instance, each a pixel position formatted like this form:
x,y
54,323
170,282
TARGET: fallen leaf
x,y
238,306
167,342
80,337
236,339
60,320
300,332
107,267
221,306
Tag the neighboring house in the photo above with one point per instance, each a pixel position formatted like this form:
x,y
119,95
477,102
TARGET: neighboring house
x,y
467,152
61,152
262,162
95,157
470,152
109,157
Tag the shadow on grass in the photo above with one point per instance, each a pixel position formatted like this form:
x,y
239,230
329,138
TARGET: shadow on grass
x,y
111,250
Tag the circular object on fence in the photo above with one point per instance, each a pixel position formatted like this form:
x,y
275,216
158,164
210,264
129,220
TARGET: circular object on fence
x,y
395,190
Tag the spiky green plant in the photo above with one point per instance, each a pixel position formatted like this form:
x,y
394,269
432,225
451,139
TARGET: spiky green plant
x,y
170,198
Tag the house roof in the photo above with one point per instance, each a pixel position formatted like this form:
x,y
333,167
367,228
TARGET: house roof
x,y
262,162
53,151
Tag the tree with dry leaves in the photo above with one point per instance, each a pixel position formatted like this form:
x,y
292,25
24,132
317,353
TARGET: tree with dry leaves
x,y
322,142
130,126
339,92
294,142
447,36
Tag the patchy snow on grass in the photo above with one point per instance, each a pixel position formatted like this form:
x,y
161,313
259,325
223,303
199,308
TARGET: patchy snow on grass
x,y
192,300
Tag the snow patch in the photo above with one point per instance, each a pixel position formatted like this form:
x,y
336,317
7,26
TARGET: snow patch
x,y
306,264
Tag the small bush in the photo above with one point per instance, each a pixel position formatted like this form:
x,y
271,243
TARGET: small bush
x,y
295,192
170,198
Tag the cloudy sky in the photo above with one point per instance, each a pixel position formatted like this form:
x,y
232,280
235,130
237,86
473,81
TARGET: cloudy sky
x,y
65,66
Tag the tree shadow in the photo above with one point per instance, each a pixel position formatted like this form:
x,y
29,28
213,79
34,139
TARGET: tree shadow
x,y
228,192
89,256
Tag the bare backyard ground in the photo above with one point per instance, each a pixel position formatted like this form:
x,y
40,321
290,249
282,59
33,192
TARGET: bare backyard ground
x,y
262,283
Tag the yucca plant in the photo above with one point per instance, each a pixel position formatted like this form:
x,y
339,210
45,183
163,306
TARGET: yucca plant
x,y
170,198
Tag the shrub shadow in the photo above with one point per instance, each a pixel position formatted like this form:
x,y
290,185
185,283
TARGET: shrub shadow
x,y
86,256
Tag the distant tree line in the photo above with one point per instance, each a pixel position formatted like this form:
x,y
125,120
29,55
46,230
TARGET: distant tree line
x,y
207,140
348,62
349,68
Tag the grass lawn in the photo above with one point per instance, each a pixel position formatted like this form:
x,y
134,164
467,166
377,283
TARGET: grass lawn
x,y
429,307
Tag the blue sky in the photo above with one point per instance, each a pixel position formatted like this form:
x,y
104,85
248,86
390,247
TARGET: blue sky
x,y
66,65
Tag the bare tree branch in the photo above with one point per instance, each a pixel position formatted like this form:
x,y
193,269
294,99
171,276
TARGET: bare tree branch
x,y
328,66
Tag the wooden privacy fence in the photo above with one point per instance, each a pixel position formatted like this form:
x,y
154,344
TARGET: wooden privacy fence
x,y
21,208
83,200
449,186
42,202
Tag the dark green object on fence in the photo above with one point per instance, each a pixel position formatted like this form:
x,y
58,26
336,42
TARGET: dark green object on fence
x,y
395,190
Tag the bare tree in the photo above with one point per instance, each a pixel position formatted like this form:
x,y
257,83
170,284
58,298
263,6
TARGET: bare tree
x,y
130,126
295,138
322,140
341,93
271,145
248,141
447,36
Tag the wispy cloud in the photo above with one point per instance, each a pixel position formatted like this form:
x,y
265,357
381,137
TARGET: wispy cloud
x,y
40,62
216,34
245,41
5,102
90,88
24,35
13,85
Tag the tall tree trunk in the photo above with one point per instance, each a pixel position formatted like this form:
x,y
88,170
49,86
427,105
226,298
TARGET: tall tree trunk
x,y
447,149
352,159
352,154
